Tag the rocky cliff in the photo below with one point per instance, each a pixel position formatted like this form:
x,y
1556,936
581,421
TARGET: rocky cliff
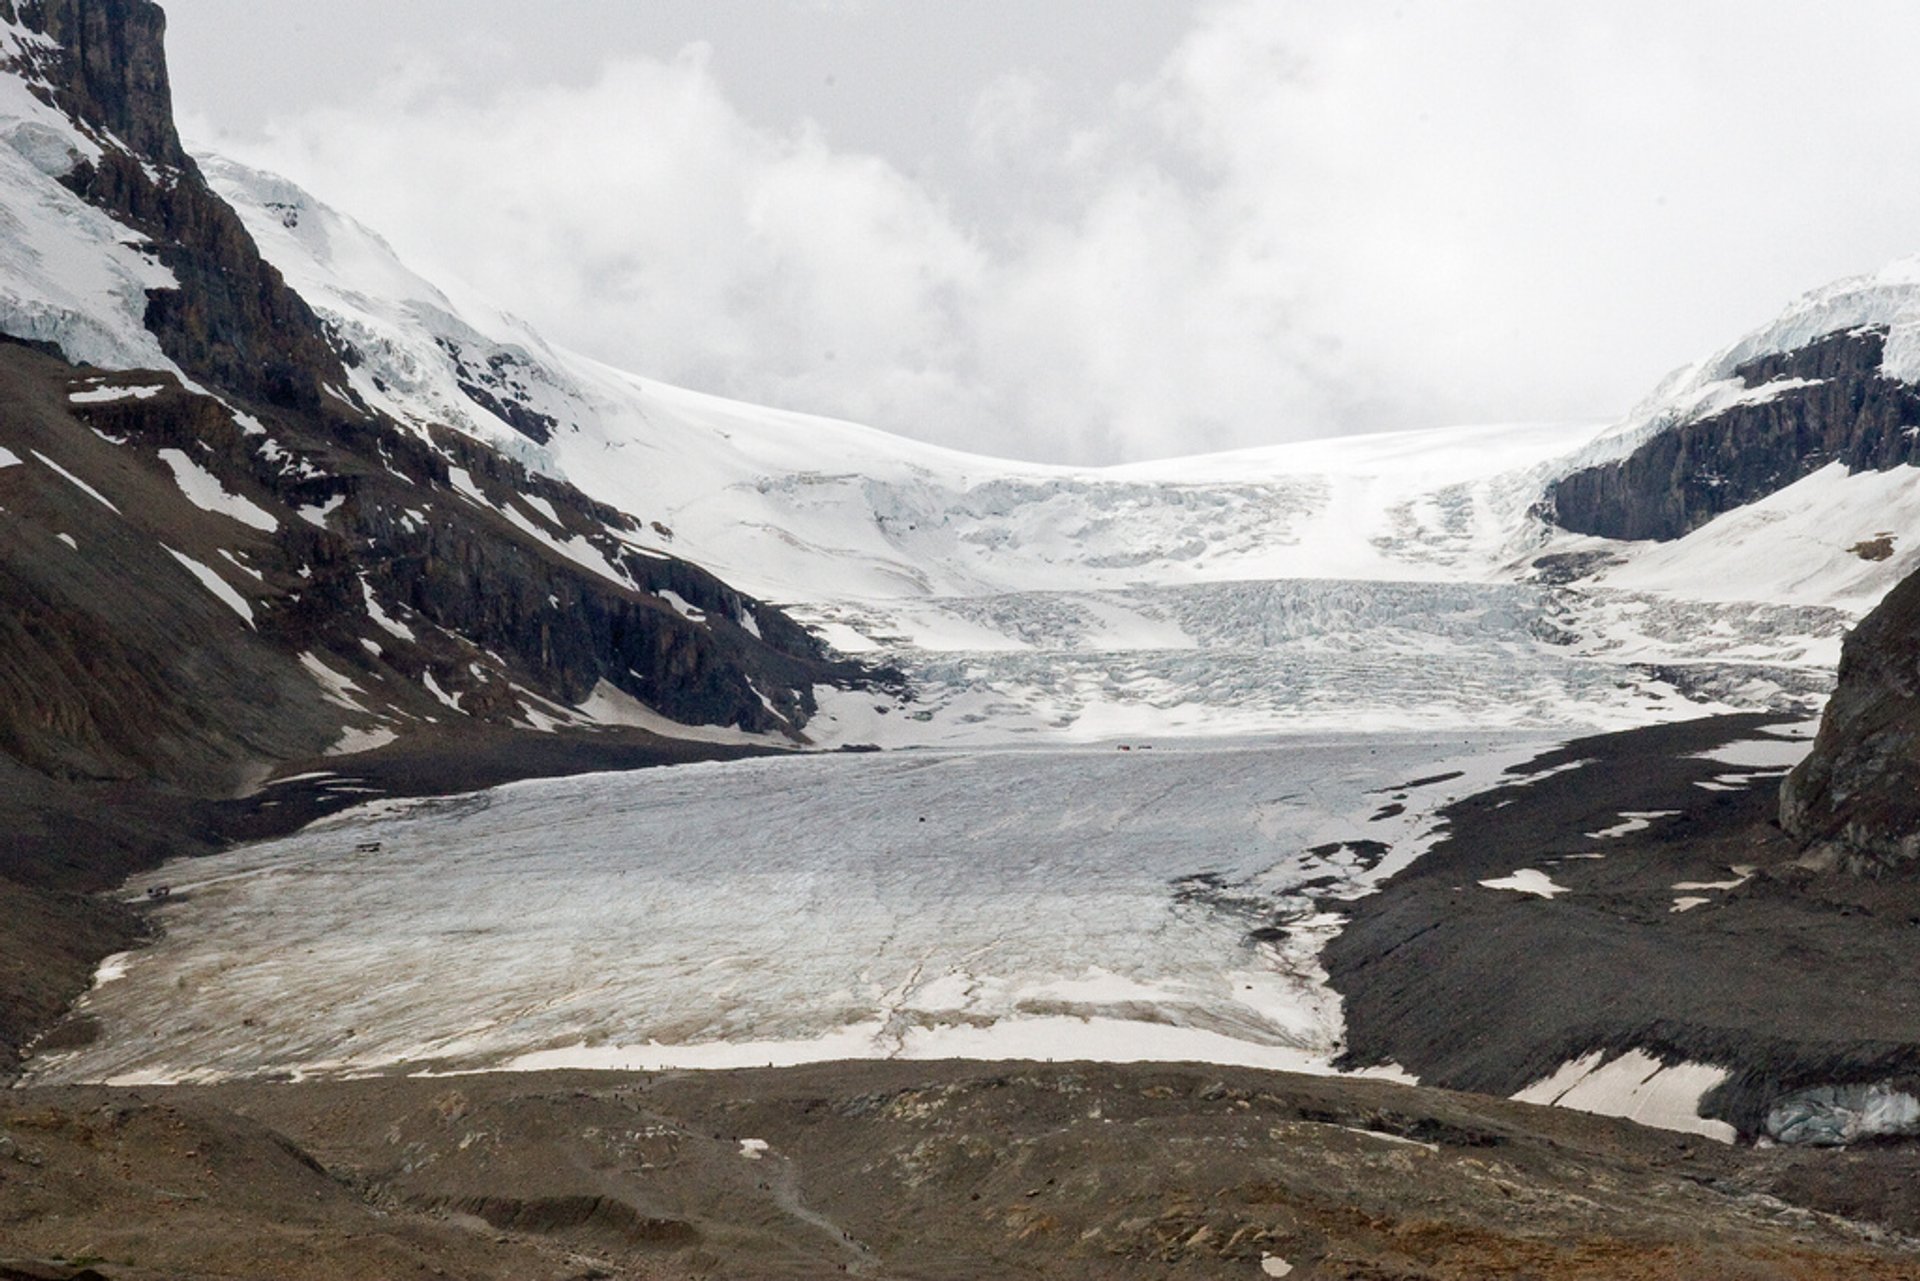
x,y
1825,402
232,321
333,569
1855,800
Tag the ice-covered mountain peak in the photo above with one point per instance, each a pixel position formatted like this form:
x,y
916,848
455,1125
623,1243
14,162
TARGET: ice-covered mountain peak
x,y
70,274
1373,577
1887,299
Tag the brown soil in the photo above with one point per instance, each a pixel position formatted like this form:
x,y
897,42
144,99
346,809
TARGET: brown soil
x,y
947,1170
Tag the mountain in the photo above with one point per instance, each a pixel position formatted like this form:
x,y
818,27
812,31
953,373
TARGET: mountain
x,y
191,413
1825,398
1402,580
218,560
285,529
1828,384
370,495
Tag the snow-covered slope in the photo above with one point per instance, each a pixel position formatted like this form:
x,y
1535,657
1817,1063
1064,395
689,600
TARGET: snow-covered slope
x,y
1888,298
70,275
801,507
1172,596
809,508
191,462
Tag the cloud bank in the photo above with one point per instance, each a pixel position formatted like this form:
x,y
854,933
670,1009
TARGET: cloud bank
x,y
1314,218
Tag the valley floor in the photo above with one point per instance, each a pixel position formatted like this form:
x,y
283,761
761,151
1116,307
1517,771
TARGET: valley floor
x,y
911,1170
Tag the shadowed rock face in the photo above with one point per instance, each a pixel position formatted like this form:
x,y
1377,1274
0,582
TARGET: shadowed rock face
x,y
1687,475
1855,800
111,68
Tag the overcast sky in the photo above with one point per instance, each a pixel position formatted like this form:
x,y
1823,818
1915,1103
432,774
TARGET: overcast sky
x,y
1099,230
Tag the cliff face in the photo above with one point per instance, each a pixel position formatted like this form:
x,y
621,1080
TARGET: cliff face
x,y
107,66
1823,403
1855,800
233,322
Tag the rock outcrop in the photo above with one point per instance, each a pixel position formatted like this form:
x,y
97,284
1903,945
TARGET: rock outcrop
x,y
1826,402
232,322
1855,800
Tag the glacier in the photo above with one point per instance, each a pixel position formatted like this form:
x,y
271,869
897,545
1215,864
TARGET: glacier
x,y
1164,902
1400,581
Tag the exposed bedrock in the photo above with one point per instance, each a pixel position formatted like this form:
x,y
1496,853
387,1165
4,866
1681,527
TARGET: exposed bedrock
x,y
1835,406
1855,801
1700,938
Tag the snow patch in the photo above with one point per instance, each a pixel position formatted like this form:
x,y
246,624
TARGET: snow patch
x,y
1741,875
317,516
1635,1086
1527,881
204,490
433,688
1761,753
354,740
107,395
242,566
611,705
77,483
576,548
385,621
462,481
215,584
1632,821
112,969
339,689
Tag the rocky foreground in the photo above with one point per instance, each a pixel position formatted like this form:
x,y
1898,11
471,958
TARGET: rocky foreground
x,y
912,1170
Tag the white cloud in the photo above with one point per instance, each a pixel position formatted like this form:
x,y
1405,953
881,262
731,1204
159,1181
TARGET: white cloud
x,y
1316,217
